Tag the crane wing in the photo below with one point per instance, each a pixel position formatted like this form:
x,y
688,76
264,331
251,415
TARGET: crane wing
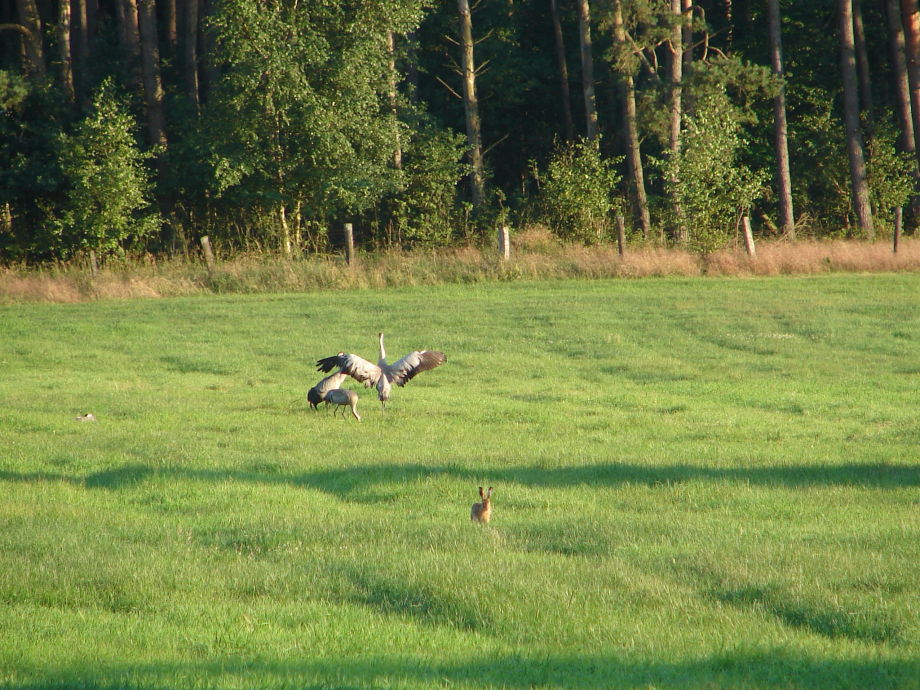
x,y
356,367
403,370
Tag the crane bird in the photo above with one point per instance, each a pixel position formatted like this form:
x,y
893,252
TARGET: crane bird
x,y
342,398
382,375
317,394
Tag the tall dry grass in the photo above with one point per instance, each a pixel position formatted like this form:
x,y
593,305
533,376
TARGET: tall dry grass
x,y
536,255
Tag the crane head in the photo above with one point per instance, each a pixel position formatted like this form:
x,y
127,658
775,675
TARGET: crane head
x,y
314,398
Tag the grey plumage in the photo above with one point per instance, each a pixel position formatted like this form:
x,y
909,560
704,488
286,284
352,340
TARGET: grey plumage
x,y
383,375
316,394
343,398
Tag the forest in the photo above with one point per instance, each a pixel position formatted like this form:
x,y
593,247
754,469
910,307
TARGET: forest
x,y
139,126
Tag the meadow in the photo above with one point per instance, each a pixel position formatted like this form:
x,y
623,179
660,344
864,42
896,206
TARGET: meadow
x,y
698,482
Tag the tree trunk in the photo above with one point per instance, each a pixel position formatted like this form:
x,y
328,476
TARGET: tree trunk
x,y
30,20
285,233
687,33
675,78
630,126
190,51
859,184
730,23
393,97
587,68
211,73
150,65
902,95
170,20
910,16
780,129
63,30
563,73
80,23
92,15
130,37
899,75
862,64
471,104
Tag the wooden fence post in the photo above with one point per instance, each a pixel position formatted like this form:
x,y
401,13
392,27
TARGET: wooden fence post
x,y
748,236
504,243
208,254
621,235
93,264
898,220
349,244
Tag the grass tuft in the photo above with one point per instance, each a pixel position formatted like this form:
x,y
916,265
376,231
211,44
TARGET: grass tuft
x,y
537,255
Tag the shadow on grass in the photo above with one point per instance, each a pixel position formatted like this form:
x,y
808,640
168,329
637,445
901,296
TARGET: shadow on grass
x,y
393,595
357,482
775,668
816,617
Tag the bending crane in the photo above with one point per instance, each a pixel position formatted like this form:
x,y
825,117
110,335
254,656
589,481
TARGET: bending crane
x,y
317,394
382,375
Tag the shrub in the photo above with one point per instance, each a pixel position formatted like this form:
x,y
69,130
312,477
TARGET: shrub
x,y
890,172
577,191
432,166
108,188
714,186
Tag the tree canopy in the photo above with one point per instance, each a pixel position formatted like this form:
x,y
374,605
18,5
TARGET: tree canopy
x,y
283,119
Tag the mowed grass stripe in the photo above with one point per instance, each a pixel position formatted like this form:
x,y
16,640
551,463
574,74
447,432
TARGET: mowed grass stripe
x,y
708,482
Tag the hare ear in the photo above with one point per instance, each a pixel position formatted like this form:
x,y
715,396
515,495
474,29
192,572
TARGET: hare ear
x,y
489,495
480,493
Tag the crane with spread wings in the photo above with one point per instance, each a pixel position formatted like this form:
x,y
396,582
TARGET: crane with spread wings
x,y
382,375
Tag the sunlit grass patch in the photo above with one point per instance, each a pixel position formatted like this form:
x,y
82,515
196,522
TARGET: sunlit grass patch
x,y
697,483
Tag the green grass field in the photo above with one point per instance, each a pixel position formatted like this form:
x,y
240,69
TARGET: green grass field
x,y
698,482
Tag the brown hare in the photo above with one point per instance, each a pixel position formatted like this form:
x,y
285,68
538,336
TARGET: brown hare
x,y
482,512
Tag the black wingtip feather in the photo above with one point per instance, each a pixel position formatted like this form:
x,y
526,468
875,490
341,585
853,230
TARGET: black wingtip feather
x,y
327,364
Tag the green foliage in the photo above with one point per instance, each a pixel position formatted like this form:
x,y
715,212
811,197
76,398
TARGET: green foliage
x,y
891,172
108,188
301,117
422,209
712,182
14,89
817,149
31,122
577,191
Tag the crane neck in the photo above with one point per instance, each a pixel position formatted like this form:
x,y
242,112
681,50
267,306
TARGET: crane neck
x,y
383,353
